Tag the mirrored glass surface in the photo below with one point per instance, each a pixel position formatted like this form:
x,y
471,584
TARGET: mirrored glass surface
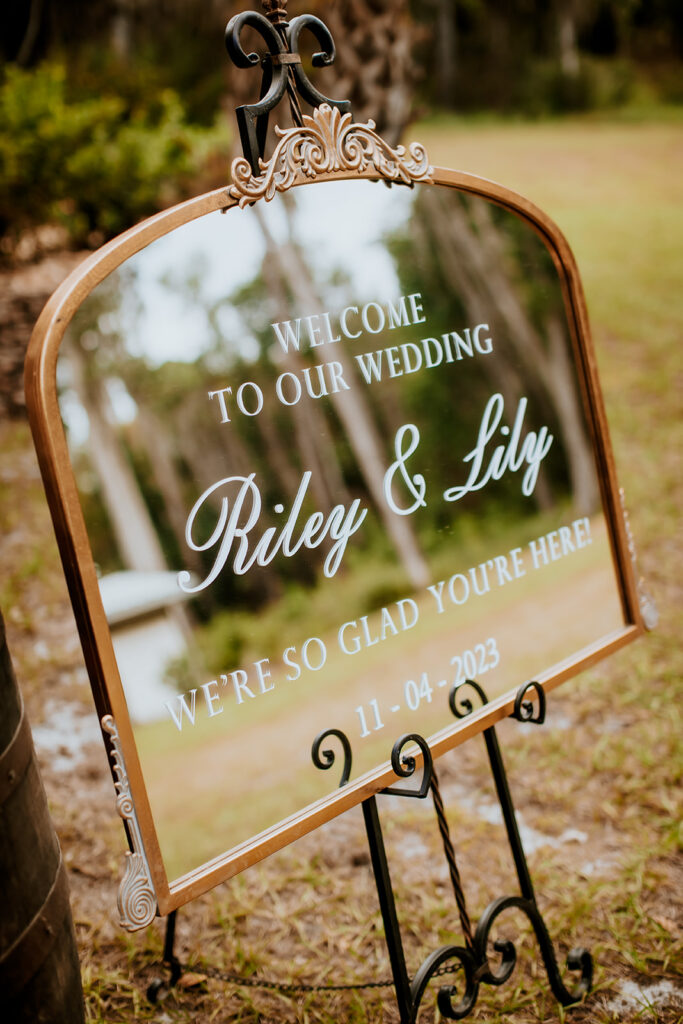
x,y
333,458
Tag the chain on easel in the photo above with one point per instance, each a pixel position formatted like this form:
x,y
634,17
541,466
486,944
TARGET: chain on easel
x,y
240,981
453,871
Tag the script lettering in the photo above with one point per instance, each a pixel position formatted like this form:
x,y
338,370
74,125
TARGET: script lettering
x,y
232,534
509,457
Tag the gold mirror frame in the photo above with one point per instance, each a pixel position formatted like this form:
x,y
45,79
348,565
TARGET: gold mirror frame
x,y
328,147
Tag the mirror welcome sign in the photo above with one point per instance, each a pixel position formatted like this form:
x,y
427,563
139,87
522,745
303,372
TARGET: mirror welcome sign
x,y
318,451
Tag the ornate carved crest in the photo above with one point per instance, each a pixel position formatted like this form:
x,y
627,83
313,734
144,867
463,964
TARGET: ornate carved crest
x,y
328,143
136,899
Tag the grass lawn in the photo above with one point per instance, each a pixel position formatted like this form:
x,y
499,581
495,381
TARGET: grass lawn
x,y
598,787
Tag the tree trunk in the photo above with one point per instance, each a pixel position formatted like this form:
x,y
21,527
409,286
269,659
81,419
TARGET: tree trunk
x,y
354,413
40,978
155,439
375,67
131,522
445,45
312,430
471,251
566,41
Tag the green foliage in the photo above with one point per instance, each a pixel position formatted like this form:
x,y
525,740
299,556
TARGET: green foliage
x,y
188,62
597,85
94,165
537,59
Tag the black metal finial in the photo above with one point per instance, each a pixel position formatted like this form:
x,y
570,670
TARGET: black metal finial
x,y
282,70
275,11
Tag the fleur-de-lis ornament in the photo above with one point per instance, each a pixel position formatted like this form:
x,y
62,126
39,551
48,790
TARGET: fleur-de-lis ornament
x,y
282,70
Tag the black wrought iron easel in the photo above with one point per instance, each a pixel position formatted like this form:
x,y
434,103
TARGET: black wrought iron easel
x,y
473,957
283,72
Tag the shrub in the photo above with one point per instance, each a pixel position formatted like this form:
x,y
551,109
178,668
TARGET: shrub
x,y
598,85
97,164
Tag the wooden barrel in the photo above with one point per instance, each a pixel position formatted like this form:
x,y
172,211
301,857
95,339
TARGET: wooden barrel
x,y
40,979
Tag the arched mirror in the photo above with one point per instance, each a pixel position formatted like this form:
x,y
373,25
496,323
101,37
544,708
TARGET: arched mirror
x,y
314,461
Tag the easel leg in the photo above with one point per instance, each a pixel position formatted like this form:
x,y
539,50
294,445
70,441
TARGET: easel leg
x,y
170,959
509,817
387,904
578,959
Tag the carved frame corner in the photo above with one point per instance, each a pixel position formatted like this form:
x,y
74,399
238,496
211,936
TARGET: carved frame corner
x,y
136,899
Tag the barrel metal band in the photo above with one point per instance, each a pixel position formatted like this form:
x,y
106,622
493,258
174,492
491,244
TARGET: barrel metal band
x,y
15,759
27,953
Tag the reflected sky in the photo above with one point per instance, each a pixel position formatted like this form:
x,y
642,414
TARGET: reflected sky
x,y
167,327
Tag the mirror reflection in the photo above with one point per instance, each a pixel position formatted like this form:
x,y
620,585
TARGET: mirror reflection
x,y
333,456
